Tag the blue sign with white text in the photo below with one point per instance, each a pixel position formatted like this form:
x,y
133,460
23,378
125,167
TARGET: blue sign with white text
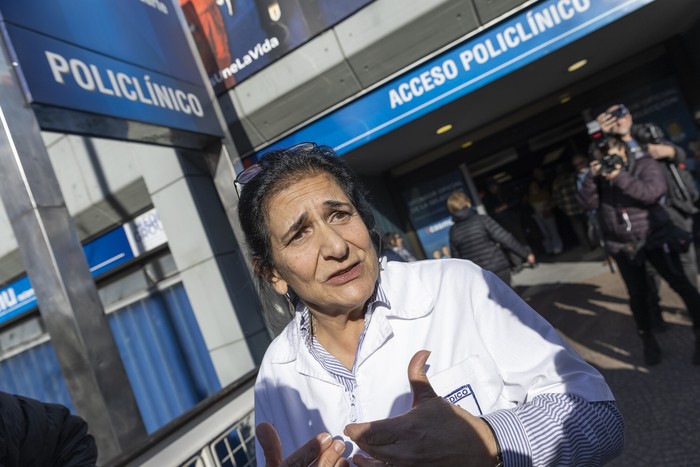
x,y
127,59
105,253
144,33
508,46
16,299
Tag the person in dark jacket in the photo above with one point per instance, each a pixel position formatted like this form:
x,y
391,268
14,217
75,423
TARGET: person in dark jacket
x,y
681,193
35,433
626,192
394,249
481,239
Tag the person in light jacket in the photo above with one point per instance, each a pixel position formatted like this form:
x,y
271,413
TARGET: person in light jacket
x,y
501,386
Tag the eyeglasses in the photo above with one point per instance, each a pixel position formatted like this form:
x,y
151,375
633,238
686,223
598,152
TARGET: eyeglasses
x,y
251,172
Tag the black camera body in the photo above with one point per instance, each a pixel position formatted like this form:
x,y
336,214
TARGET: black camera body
x,y
609,163
648,133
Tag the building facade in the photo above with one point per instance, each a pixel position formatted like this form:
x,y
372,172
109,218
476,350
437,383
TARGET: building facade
x,y
159,234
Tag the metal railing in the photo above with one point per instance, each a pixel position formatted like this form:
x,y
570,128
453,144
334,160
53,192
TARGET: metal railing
x,y
203,435
235,447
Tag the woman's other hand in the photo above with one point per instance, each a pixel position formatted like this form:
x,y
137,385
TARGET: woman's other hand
x,y
320,451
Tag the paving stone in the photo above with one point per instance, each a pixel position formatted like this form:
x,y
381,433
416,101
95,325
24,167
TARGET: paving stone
x,y
588,306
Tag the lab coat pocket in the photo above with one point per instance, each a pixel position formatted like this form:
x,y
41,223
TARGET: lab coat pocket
x,y
472,384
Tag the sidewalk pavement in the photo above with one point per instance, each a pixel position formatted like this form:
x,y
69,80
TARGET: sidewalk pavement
x,y
587,303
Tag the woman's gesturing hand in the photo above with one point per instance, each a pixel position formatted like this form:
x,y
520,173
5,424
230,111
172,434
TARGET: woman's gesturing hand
x,y
433,432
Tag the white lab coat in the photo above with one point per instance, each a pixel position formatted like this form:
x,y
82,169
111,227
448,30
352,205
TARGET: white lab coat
x,y
489,351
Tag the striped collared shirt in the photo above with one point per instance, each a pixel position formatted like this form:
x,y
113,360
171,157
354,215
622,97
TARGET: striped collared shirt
x,y
329,362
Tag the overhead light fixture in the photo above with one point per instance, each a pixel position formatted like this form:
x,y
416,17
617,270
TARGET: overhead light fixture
x,y
466,144
577,65
443,129
564,99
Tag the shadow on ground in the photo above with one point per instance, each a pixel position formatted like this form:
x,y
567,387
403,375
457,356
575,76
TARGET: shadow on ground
x,y
659,404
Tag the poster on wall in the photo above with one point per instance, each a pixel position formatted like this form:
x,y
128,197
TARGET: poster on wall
x,y
236,38
427,210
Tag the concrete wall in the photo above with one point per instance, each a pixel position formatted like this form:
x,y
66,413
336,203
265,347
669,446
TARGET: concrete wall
x,y
210,262
101,185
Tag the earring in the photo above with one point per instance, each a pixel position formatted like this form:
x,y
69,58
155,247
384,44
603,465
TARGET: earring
x,y
291,304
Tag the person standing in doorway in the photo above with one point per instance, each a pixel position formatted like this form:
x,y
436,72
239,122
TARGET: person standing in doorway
x,y
394,242
504,207
565,198
540,201
481,239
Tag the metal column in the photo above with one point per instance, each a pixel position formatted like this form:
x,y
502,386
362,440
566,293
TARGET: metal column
x,y
58,270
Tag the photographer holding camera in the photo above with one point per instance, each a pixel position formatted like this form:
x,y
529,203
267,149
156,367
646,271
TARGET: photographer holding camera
x,y
681,195
626,191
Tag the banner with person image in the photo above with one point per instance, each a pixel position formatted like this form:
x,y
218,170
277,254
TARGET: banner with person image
x,y
426,203
237,38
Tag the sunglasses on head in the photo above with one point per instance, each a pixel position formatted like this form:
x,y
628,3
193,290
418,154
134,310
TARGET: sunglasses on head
x,y
251,172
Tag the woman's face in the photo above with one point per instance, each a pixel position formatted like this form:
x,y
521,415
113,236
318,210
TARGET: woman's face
x,y
321,248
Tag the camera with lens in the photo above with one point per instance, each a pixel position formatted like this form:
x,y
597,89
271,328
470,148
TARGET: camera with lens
x,y
609,163
600,143
647,133
619,112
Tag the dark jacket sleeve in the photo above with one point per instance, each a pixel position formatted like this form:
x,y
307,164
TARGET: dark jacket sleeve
x,y
640,129
679,156
504,238
647,187
453,251
38,433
